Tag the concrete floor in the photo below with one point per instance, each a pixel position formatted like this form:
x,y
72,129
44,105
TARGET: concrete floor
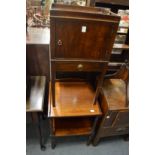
x,y
73,145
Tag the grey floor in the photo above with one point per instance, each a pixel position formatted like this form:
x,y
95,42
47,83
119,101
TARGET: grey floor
x,y
73,145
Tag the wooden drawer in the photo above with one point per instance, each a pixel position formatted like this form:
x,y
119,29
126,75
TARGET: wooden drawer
x,y
79,66
104,132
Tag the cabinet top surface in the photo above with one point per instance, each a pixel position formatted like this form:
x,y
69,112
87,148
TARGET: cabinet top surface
x,y
35,89
67,11
73,99
115,93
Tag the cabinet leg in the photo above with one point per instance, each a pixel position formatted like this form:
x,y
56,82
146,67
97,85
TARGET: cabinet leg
x,y
96,141
126,137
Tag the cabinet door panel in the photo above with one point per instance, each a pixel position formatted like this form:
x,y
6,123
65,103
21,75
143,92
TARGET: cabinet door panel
x,y
105,132
122,119
86,40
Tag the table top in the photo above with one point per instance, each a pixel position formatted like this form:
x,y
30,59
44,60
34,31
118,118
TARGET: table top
x,y
35,90
38,36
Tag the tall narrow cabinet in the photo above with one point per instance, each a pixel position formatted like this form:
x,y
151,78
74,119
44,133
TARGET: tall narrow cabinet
x,y
81,41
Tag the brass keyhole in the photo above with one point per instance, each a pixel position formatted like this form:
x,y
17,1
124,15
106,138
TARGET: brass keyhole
x,y
59,42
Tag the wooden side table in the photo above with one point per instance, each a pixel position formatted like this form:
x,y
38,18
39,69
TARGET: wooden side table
x,y
35,90
82,41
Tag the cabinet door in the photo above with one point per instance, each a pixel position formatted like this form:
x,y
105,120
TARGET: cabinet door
x,y
108,131
109,118
122,119
82,39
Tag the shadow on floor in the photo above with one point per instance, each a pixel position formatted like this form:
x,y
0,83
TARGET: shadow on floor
x,y
72,145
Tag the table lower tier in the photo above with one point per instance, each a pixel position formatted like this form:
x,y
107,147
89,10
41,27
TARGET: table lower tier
x,y
73,126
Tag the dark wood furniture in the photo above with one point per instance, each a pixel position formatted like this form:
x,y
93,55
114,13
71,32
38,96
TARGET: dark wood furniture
x,y
114,99
37,55
121,55
81,42
37,52
35,90
114,5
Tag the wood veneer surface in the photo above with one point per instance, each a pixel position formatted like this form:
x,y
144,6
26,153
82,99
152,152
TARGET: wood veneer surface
x,y
73,99
115,93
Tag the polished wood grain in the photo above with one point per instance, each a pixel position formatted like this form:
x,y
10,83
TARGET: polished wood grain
x,y
90,45
82,40
72,126
115,93
37,55
37,52
82,12
73,99
37,60
35,93
94,44
79,66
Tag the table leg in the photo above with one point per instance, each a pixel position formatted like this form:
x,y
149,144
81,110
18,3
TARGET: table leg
x,y
93,131
53,138
42,146
53,142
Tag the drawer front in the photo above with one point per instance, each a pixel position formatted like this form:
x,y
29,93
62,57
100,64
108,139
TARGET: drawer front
x,y
78,66
104,132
